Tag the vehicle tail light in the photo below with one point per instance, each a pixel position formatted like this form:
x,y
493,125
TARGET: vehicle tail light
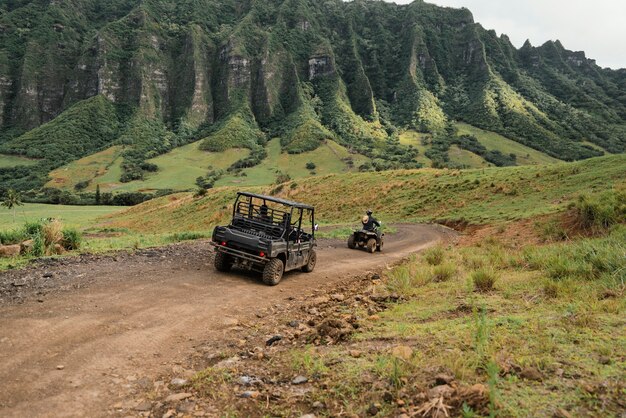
x,y
223,243
262,254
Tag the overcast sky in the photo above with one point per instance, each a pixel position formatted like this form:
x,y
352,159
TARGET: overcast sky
x,y
597,27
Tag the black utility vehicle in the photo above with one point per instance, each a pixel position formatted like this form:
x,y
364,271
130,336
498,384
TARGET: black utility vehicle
x,y
267,235
370,240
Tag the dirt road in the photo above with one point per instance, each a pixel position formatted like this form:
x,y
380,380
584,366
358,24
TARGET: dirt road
x,y
77,336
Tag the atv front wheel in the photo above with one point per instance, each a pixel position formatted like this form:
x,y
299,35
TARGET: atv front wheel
x,y
222,262
380,247
308,267
273,272
371,245
352,242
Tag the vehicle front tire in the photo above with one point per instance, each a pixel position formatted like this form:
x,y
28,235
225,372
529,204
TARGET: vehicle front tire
x,y
371,245
222,262
380,247
308,267
352,242
273,272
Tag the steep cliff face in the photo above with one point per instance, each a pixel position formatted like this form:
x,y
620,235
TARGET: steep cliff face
x,y
301,69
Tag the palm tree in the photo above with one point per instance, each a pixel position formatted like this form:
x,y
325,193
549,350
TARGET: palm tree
x,y
12,200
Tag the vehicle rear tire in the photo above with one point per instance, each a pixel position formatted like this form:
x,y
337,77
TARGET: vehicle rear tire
x,y
352,242
222,262
273,272
371,245
308,267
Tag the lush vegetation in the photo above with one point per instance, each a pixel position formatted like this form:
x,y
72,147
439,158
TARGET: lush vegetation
x,y
455,197
156,75
520,332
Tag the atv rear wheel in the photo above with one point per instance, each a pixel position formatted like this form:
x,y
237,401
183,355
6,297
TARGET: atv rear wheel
x,y
371,245
352,242
273,272
222,262
308,267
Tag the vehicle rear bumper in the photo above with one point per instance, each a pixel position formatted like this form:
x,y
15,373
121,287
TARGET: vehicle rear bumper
x,y
239,254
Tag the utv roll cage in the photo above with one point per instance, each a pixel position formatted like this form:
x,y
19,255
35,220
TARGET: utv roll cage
x,y
251,214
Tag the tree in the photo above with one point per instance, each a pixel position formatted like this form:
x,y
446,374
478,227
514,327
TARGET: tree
x,y
98,196
12,200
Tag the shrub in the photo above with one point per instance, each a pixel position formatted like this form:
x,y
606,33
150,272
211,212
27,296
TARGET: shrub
x,y
72,239
484,279
11,237
82,185
200,192
52,233
310,166
554,231
434,255
443,272
282,178
601,212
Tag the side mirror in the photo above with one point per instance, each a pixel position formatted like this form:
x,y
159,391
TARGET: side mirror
x,y
316,227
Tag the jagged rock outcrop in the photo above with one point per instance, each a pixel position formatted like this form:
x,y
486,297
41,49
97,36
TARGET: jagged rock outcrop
x,y
298,69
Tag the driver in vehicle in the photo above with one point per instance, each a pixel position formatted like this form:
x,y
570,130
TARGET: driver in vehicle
x,y
370,223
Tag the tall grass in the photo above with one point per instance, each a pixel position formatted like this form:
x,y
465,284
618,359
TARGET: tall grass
x,y
589,259
434,256
406,279
484,279
43,237
600,212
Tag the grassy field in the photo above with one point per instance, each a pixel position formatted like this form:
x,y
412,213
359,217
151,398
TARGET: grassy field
x,y
85,169
481,330
328,159
14,160
497,142
478,196
179,168
73,216
466,158
415,139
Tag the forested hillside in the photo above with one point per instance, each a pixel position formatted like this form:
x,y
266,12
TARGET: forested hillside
x,y
80,76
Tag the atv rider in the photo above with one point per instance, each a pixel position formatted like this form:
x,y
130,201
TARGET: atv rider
x,y
371,224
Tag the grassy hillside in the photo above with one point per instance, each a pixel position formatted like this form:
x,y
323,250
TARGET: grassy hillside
x,y
476,196
14,160
179,168
85,170
328,159
497,142
491,140
466,158
81,76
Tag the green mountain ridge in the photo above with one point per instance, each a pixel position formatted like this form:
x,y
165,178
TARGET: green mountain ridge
x,y
79,76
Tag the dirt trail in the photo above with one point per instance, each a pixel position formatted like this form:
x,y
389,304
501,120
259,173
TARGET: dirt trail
x,y
102,326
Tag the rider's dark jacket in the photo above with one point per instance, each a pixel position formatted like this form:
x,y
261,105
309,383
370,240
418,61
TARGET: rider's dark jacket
x,y
369,225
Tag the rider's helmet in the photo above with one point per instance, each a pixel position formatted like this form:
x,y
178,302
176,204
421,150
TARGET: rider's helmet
x,y
369,212
365,218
